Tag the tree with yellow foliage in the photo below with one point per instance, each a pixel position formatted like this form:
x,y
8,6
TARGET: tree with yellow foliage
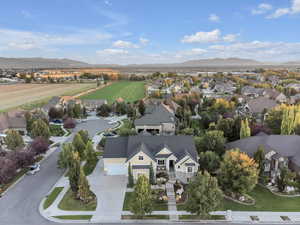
x,y
238,173
222,105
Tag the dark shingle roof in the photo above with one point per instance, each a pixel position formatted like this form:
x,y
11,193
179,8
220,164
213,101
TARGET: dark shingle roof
x,y
159,114
284,145
258,105
127,147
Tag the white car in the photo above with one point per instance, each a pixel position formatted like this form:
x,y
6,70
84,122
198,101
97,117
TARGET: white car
x,y
33,169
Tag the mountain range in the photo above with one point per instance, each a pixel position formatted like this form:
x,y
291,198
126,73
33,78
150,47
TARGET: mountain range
x,y
39,63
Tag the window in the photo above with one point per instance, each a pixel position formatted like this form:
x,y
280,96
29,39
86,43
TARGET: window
x,y
141,157
178,167
161,162
190,169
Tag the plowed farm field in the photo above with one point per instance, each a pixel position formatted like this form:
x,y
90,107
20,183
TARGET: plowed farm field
x,y
13,96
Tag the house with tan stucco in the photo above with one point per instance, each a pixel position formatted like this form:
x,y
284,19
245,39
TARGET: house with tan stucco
x,y
176,155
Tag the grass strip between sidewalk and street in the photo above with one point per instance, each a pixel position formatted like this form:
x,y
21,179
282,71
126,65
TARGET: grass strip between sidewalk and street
x,y
51,198
74,217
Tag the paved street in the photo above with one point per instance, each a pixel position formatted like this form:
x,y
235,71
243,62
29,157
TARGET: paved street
x,y
20,205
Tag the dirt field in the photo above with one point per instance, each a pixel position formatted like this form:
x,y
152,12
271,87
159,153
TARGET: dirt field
x,y
12,96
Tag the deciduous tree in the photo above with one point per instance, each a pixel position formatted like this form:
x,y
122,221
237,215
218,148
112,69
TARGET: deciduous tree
x,y
204,195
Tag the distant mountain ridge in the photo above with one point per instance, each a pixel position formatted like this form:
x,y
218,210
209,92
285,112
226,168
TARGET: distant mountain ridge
x,y
36,63
45,63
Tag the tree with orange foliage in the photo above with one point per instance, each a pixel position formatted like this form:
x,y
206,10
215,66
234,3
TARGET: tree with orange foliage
x,y
238,173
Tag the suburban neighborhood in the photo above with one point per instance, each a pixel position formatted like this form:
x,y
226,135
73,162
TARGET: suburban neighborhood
x,y
149,112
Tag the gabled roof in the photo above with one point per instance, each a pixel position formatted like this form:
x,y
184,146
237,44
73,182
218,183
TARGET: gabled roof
x,y
284,145
157,115
127,147
259,104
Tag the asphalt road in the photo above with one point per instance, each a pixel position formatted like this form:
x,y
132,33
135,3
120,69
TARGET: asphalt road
x,y
20,205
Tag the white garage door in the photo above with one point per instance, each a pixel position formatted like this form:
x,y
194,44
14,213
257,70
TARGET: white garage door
x,y
116,169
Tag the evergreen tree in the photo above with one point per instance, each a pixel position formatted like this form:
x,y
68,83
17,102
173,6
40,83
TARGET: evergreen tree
x,y
130,176
13,140
84,136
287,124
84,193
245,129
91,155
204,195
151,174
64,158
141,203
209,161
142,107
77,111
40,129
74,172
79,146
259,157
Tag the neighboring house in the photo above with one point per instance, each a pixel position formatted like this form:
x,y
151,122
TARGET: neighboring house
x,y
252,91
275,95
152,89
224,88
170,154
294,99
294,86
158,119
13,120
54,102
280,151
92,105
259,106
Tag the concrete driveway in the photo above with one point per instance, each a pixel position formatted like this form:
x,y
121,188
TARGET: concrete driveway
x,y
110,192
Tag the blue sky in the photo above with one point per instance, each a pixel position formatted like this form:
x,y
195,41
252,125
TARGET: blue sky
x,y
156,31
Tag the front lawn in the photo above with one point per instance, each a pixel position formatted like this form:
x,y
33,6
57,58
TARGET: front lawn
x,y
264,201
56,130
51,198
130,91
156,205
70,204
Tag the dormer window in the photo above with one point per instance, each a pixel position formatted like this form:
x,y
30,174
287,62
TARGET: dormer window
x,y
141,157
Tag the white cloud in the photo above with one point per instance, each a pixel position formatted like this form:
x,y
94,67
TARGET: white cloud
x,y
214,18
192,52
144,41
111,51
293,9
208,37
25,40
258,50
124,44
203,37
230,37
262,9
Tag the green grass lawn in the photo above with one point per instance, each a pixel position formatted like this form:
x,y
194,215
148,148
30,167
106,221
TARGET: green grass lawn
x,y
194,217
264,201
148,217
70,204
74,217
156,206
130,91
51,198
56,130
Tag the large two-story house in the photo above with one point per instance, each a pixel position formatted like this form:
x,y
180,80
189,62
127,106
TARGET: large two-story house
x,y
280,151
170,154
158,119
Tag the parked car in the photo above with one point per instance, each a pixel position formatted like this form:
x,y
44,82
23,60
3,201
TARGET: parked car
x,y
57,121
33,169
110,134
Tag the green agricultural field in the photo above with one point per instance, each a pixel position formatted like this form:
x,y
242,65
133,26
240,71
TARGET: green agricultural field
x,y
130,91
